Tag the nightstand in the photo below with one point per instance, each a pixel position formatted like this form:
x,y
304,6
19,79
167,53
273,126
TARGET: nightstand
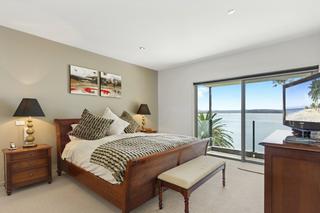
x,y
149,131
25,166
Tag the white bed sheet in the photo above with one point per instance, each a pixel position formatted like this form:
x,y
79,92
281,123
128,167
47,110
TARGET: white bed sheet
x,y
79,151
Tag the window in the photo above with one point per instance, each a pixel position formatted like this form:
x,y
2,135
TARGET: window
x,y
237,114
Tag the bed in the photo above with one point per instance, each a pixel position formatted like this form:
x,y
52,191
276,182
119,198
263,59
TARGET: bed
x,y
139,184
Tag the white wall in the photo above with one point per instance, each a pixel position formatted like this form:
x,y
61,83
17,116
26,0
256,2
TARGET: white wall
x,y
175,86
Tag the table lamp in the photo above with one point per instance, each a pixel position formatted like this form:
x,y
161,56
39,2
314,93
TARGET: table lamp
x,y
27,108
143,110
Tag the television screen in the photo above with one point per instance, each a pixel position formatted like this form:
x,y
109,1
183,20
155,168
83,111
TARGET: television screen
x,y
302,100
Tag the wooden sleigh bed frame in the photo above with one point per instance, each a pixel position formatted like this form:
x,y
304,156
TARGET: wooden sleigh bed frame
x,y
141,174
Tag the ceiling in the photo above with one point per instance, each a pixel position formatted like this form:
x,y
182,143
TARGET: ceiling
x,y
173,32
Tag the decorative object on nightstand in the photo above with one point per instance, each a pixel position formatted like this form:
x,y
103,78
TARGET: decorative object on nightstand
x,y
27,108
143,110
12,146
23,167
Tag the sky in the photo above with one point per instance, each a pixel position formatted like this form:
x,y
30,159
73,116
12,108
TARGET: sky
x,y
260,95
297,96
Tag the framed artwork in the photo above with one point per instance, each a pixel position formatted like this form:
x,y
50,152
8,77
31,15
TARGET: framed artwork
x,y
84,81
110,85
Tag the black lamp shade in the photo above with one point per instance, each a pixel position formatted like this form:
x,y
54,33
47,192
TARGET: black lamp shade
x,y
29,107
144,110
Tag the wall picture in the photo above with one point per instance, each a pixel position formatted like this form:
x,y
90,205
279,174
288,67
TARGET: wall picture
x,y
83,81
110,85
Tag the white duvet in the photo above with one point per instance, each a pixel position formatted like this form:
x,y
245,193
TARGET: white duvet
x,y
79,151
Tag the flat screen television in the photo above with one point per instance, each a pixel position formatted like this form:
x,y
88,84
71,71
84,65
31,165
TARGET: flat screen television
x,y
301,103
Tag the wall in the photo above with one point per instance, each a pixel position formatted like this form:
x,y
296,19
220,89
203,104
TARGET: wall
x,y
34,67
175,86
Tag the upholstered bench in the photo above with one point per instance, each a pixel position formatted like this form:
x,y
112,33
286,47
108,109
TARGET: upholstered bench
x,y
187,177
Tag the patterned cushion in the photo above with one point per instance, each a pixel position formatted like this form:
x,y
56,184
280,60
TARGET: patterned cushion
x,y
91,127
133,125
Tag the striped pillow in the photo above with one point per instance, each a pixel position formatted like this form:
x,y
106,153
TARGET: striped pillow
x,y
133,125
91,127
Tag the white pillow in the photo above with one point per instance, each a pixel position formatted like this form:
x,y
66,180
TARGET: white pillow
x,y
74,126
73,138
118,125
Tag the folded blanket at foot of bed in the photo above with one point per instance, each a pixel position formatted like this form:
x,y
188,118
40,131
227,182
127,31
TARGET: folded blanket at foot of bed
x,y
115,155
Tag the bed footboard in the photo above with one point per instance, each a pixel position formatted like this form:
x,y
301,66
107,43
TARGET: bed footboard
x,y
141,175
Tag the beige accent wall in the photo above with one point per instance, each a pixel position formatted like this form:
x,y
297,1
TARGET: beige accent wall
x,y
34,67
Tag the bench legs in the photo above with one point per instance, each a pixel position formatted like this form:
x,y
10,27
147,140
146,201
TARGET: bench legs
x,y
160,194
224,176
186,202
186,192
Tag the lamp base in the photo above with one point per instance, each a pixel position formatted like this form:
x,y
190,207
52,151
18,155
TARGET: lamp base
x,y
29,145
143,122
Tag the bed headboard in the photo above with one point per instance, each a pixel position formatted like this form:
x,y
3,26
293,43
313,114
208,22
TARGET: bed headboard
x,y
63,127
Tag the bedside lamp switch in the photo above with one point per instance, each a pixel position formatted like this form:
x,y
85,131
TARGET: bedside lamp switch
x,y
20,123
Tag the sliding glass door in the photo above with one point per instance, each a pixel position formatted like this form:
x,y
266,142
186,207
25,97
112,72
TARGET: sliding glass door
x,y
238,114
219,118
226,118
264,110
263,114
202,114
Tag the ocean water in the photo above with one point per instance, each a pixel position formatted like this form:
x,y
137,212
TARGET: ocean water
x,y
265,124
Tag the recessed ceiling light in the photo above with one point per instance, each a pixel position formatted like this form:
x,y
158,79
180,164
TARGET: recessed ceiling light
x,y
142,48
231,11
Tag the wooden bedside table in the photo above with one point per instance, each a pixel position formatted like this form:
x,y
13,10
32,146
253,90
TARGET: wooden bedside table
x,y
25,166
149,131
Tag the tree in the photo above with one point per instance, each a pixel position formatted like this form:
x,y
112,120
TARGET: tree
x,y
314,93
278,82
220,136
282,82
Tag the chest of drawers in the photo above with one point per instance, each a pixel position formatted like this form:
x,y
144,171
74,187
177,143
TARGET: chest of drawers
x,y
26,166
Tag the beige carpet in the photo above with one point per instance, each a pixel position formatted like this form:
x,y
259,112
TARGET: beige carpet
x,y
243,194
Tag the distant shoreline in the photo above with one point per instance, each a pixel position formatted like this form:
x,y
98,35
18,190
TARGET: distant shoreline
x,y
247,111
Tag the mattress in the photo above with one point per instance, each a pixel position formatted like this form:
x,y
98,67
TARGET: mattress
x,y
78,152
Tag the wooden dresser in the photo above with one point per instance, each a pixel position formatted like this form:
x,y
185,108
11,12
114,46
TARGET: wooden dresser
x,y
25,166
292,178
